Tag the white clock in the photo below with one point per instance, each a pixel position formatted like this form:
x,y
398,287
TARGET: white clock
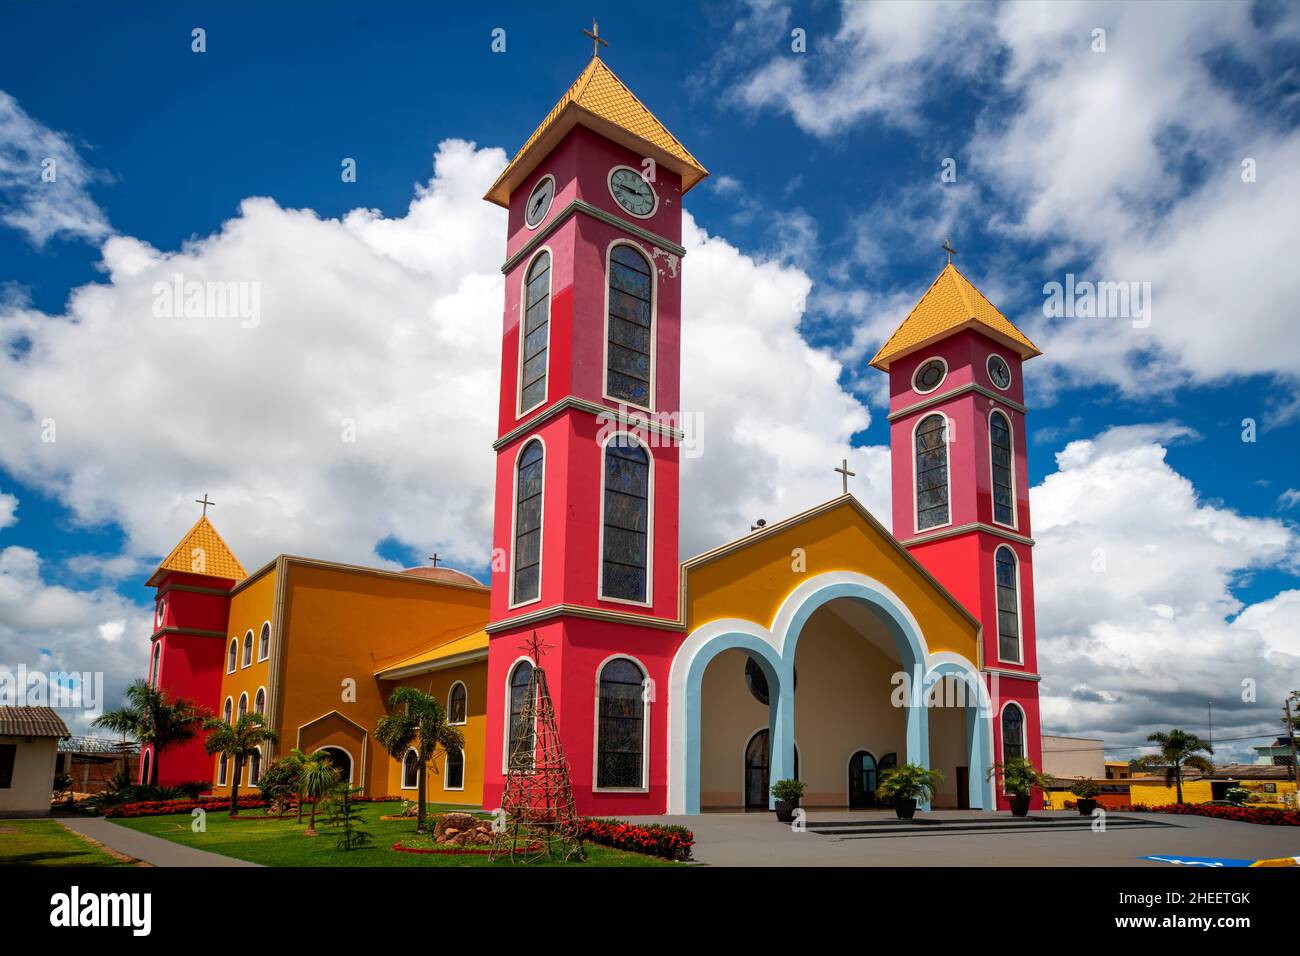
x,y
631,191
539,201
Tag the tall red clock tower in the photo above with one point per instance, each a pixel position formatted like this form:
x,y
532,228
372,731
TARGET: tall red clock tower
x,y
960,485
586,519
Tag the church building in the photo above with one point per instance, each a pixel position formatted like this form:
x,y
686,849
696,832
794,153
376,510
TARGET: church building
x,y
822,647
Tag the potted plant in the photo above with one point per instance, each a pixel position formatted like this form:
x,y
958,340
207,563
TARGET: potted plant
x,y
907,786
1086,791
787,793
1020,778
1237,794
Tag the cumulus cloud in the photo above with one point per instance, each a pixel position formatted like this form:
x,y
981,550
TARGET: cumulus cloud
x,y
8,509
44,182
1138,623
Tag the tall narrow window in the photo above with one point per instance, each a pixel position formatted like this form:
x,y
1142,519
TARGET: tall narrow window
x,y
536,333
631,323
248,649
259,702
456,704
455,770
228,710
154,662
410,770
519,750
232,655
264,643
931,472
1013,732
620,742
1004,563
528,523
1000,449
243,704
627,520
254,767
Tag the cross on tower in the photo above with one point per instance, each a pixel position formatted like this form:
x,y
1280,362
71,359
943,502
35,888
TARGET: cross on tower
x,y
843,470
596,41
947,247
205,502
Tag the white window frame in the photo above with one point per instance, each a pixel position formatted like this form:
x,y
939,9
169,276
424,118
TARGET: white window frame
x,y
650,526
947,453
645,730
246,658
248,774
242,708
264,651
654,326
1024,731
505,742
232,659
446,773
1015,493
223,770
1020,625
228,710
451,690
402,769
262,692
514,521
520,411
155,663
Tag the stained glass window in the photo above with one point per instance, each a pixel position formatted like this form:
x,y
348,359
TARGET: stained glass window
x,y
1003,493
528,523
630,324
456,704
537,322
621,739
627,520
1013,732
1004,563
521,745
931,473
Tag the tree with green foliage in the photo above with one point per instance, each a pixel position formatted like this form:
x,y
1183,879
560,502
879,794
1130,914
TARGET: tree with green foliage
x,y
279,783
317,776
417,721
152,719
345,818
1178,749
236,742
909,781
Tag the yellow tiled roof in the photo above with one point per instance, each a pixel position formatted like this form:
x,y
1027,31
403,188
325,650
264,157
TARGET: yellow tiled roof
x,y
466,643
951,303
597,93
202,551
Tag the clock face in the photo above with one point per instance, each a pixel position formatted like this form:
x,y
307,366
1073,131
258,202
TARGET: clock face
x,y
539,201
929,375
632,192
999,371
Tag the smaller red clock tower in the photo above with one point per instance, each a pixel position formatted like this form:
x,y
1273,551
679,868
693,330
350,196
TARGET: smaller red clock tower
x,y
586,523
960,483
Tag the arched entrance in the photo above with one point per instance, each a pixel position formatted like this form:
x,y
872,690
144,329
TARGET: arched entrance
x,y
341,760
863,779
758,778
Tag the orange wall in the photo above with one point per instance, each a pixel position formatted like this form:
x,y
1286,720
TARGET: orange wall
x,y
252,607
438,684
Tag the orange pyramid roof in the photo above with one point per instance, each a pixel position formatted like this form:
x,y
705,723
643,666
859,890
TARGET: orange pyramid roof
x,y
599,100
951,303
201,551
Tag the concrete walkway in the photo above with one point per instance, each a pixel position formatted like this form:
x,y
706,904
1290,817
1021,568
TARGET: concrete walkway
x,y
151,849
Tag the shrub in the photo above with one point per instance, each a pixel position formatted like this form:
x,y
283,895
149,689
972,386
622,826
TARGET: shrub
x,y
788,790
669,841
1085,789
1266,816
911,781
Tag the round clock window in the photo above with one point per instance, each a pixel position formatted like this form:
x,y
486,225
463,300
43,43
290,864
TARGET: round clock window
x,y
632,192
929,375
539,201
999,372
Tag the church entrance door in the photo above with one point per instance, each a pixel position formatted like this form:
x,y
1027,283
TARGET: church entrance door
x,y
862,780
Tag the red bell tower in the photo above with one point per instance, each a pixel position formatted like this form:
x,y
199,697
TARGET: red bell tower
x,y
586,519
960,485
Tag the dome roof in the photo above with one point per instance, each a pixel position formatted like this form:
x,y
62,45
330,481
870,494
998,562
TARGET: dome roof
x,y
449,575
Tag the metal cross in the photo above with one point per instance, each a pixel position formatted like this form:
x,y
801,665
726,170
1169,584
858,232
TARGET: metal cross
x,y
434,558
596,41
947,247
205,502
844,471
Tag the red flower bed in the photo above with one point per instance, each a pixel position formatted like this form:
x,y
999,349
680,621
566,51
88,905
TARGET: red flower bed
x,y
670,842
159,808
1267,816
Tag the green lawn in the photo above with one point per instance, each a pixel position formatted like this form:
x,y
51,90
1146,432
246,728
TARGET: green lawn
x,y
260,839
48,843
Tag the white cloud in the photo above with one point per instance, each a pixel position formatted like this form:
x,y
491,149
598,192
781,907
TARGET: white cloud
x,y
8,510
1289,499
1138,625
30,200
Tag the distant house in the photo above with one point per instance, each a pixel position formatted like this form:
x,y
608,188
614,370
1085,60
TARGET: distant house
x,y
29,743
1276,754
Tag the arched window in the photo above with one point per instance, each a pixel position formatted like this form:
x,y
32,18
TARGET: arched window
x,y
223,770
630,326
1004,563
228,710
528,523
243,704
456,704
232,655
248,649
1000,452
521,743
264,643
931,472
536,334
626,520
620,732
144,767
1013,732
259,702
155,660
255,767
410,770
455,771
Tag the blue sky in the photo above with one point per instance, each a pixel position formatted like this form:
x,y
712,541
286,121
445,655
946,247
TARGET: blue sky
x,y
1119,164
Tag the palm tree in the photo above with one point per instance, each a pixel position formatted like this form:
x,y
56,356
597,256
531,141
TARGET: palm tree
x,y
1178,749
151,718
237,741
418,721
297,759
317,776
